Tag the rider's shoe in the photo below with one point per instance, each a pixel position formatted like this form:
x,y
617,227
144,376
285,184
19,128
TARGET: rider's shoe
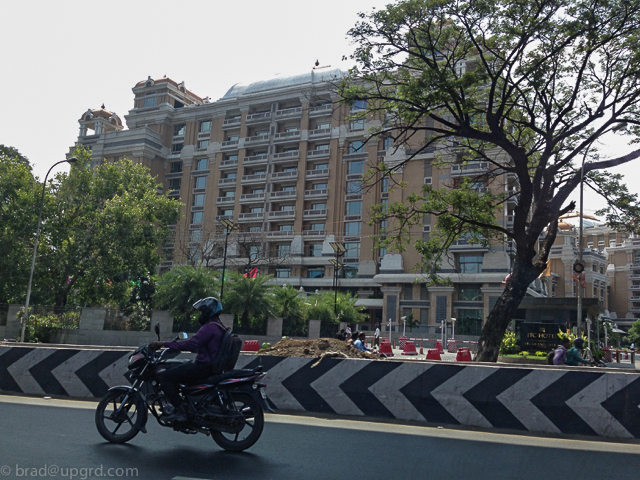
x,y
172,415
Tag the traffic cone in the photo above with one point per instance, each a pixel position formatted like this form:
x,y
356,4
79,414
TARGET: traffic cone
x,y
439,347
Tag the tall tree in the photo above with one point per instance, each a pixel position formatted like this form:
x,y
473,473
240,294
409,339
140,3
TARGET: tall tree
x,y
529,86
13,152
289,305
100,224
19,196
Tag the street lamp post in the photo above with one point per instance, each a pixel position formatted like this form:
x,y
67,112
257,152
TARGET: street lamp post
x,y
25,317
580,263
229,227
340,250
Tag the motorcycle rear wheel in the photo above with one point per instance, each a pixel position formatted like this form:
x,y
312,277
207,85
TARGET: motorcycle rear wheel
x,y
250,433
118,422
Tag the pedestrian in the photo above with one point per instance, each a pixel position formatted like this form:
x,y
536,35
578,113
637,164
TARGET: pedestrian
x,y
360,342
341,335
376,338
633,347
573,355
560,356
347,332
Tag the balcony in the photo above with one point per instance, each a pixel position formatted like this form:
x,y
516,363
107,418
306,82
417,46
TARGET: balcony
x,y
224,217
229,145
256,140
252,179
314,214
261,159
634,309
634,288
509,219
282,214
258,117
228,164
282,196
225,182
251,217
294,112
471,168
225,200
316,194
231,122
634,276
280,234
318,154
318,174
284,176
314,233
321,110
634,266
320,133
635,298
252,198
287,137
286,156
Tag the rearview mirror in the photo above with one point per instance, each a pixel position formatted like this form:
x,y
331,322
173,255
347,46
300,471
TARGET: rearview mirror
x,y
184,335
156,328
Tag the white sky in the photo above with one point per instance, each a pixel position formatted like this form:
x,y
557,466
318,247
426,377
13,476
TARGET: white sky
x,y
63,57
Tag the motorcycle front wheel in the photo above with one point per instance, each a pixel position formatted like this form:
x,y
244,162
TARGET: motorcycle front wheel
x,y
253,424
118,417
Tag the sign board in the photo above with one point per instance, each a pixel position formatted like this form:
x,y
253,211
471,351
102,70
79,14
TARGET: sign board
x,y
539,337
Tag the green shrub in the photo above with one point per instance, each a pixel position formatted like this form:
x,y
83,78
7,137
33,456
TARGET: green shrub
x,y
509,343
524,354
540,354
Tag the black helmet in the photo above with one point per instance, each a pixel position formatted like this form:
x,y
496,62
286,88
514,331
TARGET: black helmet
x,y
208,307
578,342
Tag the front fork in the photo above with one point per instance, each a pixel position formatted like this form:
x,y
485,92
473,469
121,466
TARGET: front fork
x,y
132,396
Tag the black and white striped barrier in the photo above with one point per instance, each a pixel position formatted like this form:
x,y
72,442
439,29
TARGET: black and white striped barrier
x,y
592,402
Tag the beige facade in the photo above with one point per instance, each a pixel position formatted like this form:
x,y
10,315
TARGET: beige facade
x,y
284,161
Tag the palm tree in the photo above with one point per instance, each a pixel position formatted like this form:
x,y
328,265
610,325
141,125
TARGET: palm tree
x,y
293,310
248,297
181,287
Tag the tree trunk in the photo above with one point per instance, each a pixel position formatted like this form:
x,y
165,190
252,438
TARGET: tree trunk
x,y
498,320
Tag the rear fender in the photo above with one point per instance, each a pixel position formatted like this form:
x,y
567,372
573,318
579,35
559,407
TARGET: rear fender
x,y
141,404
254,392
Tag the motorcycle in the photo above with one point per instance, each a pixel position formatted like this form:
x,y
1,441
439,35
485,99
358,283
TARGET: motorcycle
x,y
229,407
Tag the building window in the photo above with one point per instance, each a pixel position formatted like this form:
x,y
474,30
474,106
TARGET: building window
x,y
359,105
196,236
231,157
149,102
255,229
286,228
196,217
356,125
174,184
469,321
283,250
205,126
356,146
353,250
384,185
176,167
355,167
202,164
353,208
287,208
315,272
470,263
350,271
282,272
387,142
316,227
232,137
179,130
202,144
227,212
177,147
229,194
469,293
408,291
318,206
257,210
200,182
198,200
314,250
319,186
352,229
354,187
230,175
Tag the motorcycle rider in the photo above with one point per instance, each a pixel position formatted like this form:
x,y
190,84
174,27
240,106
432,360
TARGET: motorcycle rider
x,y
205,343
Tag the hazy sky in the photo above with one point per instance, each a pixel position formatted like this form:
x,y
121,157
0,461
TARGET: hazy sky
x,y
63,57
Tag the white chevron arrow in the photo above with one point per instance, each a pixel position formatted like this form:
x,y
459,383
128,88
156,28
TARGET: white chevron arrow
x,y
279,395
387,390
65,373
20,370
113,374
449,395
587,404
328,386
517,399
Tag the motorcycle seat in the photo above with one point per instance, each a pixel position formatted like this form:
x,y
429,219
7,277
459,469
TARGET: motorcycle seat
x,y
214,379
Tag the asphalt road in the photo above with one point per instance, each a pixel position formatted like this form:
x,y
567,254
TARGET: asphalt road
x,y
37,436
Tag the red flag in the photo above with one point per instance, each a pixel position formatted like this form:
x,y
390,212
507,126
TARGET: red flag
x,y
253,273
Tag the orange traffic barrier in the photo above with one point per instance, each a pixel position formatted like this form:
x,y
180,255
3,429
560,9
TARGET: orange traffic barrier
x,y
464,355
251,346
385,348
439,346
409,348
433,354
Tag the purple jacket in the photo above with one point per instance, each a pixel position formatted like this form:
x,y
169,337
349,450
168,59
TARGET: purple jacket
x,y
205,342
561,355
